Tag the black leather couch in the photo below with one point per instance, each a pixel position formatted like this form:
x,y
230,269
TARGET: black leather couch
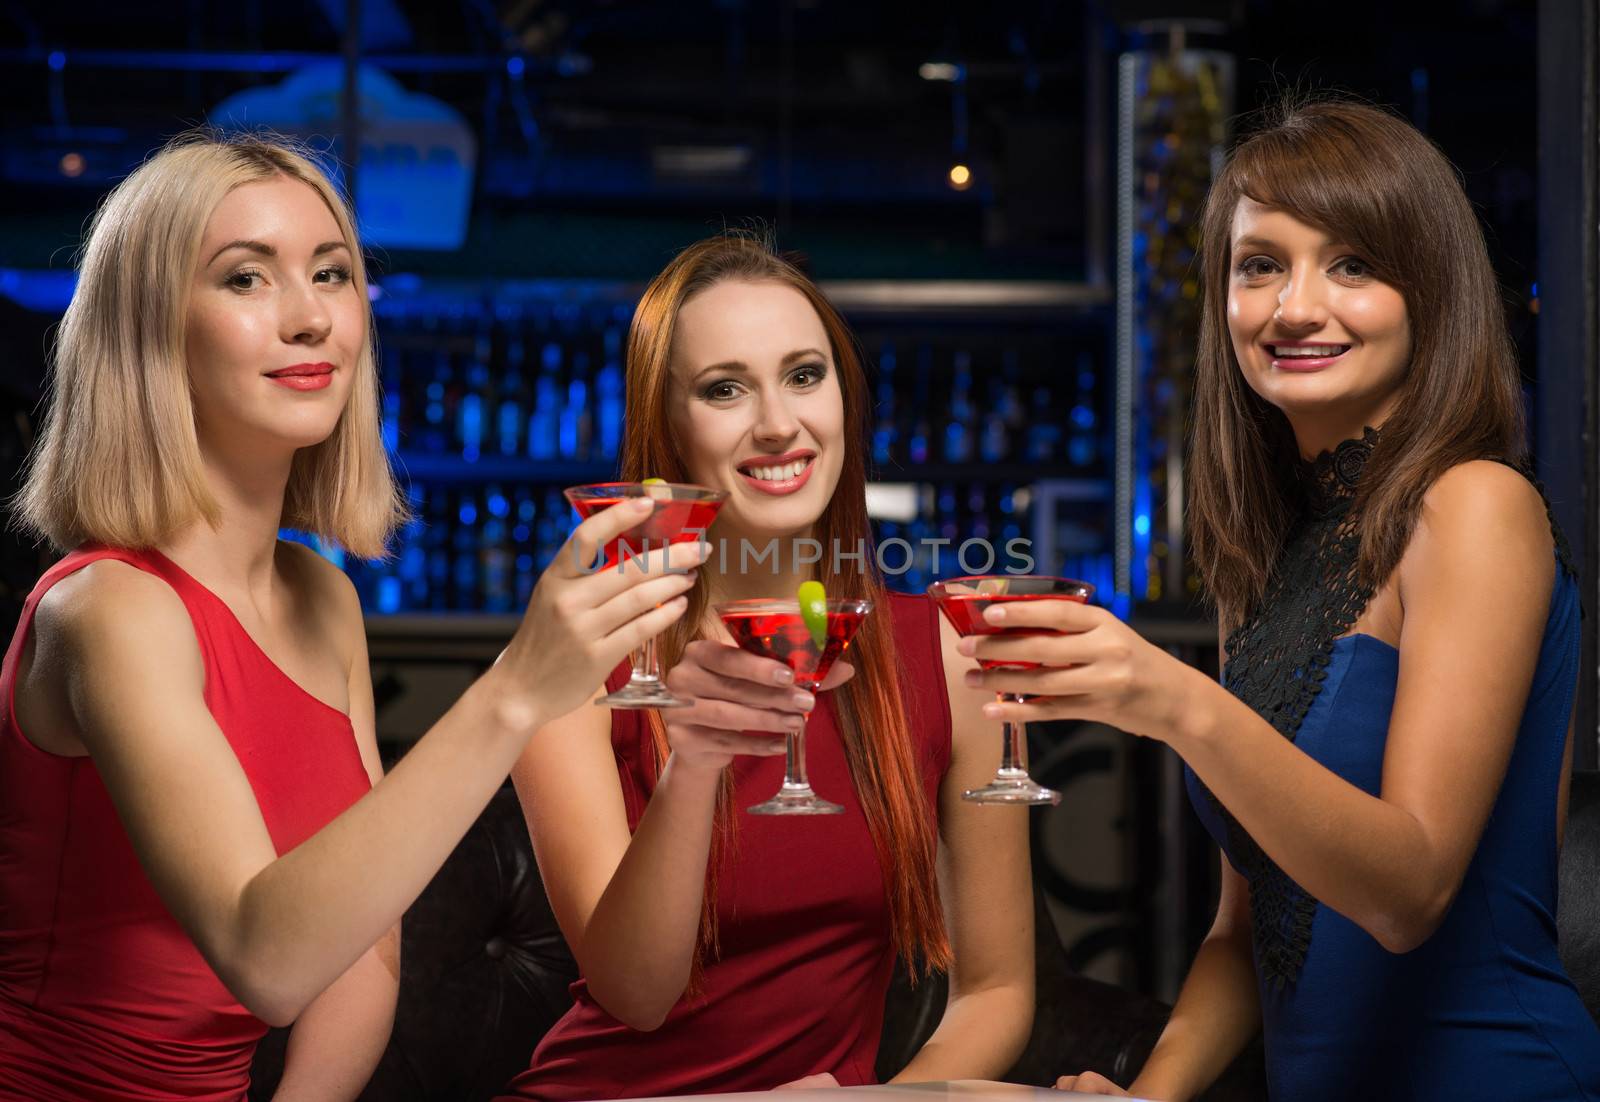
x,y
1578,917
485,973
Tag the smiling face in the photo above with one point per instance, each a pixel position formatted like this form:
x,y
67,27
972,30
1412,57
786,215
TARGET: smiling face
x,y
755,404
275,326
1315,332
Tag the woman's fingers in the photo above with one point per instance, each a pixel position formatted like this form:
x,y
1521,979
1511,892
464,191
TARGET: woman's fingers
x,y
631,635
1045,649
1059,615
842,671
727,715
634,602
583,546
729,742
729,662
1044,681
712,670
678,560
826,1079
1090,1082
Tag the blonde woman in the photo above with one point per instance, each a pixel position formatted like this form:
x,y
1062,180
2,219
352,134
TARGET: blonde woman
x,y
195,841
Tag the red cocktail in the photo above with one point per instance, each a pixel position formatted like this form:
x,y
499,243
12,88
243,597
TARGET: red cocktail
x,y
965,613
776,629
963,602
681,513
671,521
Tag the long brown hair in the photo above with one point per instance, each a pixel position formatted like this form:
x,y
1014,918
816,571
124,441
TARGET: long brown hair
x,y
872,721
1369,180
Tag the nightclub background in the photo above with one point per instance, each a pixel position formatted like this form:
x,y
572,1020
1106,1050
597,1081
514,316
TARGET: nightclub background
x,y
1001,198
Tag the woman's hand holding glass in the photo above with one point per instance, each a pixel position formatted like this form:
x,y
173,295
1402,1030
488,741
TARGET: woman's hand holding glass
x,y
739,698
1097,668
579,625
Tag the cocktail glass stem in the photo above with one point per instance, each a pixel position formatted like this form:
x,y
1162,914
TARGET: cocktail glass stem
x,y
794,762
796,796
1014,751
1011,783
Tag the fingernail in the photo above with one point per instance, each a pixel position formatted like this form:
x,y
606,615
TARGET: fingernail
x,y
804,701
778,747
974,678
994,613
705,550
797,723
784,676
992,711
641,504
967,646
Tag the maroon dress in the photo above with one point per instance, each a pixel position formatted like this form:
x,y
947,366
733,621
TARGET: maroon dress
x,y
806,950
102,994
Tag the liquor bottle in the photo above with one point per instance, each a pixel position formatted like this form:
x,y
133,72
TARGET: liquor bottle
x,y
437,541
958,430
466,595
576,417
886,431
544,426
498,583
437,429
511,418
608,388
1044,430
917,446
1083,449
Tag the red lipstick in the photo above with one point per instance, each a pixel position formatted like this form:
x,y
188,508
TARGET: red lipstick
x,y
308,376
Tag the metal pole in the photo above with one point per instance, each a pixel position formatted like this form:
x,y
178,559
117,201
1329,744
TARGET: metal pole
x,y
1569,296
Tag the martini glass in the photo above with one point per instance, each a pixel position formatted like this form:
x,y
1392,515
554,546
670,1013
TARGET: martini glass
x,y
682,513
963,601
775,629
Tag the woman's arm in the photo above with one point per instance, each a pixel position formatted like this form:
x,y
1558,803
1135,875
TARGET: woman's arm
x,y
630,905
336,1043
986,882
279,930
1475,585
1218,1011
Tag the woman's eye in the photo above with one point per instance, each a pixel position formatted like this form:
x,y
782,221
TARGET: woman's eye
x,y
243,281
720,392
1353,267
333,274
1256,266
809,375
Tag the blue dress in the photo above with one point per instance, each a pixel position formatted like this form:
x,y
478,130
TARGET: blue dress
x,y
1483,1008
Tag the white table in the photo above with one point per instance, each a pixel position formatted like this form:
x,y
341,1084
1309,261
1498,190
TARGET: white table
x,y
961,1090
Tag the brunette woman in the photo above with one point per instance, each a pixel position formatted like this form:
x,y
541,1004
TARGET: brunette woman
x,y
1386,768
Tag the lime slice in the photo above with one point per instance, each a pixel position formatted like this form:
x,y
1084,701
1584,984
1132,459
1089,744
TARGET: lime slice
x,y
657,489
653,482
814,611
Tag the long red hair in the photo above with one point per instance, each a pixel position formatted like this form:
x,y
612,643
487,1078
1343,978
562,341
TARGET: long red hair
x,y
872,719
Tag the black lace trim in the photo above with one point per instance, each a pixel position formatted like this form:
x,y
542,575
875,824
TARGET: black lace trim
x,y
1277,662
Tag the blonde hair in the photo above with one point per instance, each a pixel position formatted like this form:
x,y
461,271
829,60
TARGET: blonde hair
x,y
118,459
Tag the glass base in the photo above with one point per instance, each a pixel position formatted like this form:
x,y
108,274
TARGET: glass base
x,y
796,800
1012,790
642,694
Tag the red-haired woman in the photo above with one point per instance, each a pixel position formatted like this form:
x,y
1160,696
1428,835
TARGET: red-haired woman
x,y
742,377
1386,768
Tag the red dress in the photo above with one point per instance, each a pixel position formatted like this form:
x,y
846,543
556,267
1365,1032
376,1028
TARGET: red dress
x,y
102,994
806,951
